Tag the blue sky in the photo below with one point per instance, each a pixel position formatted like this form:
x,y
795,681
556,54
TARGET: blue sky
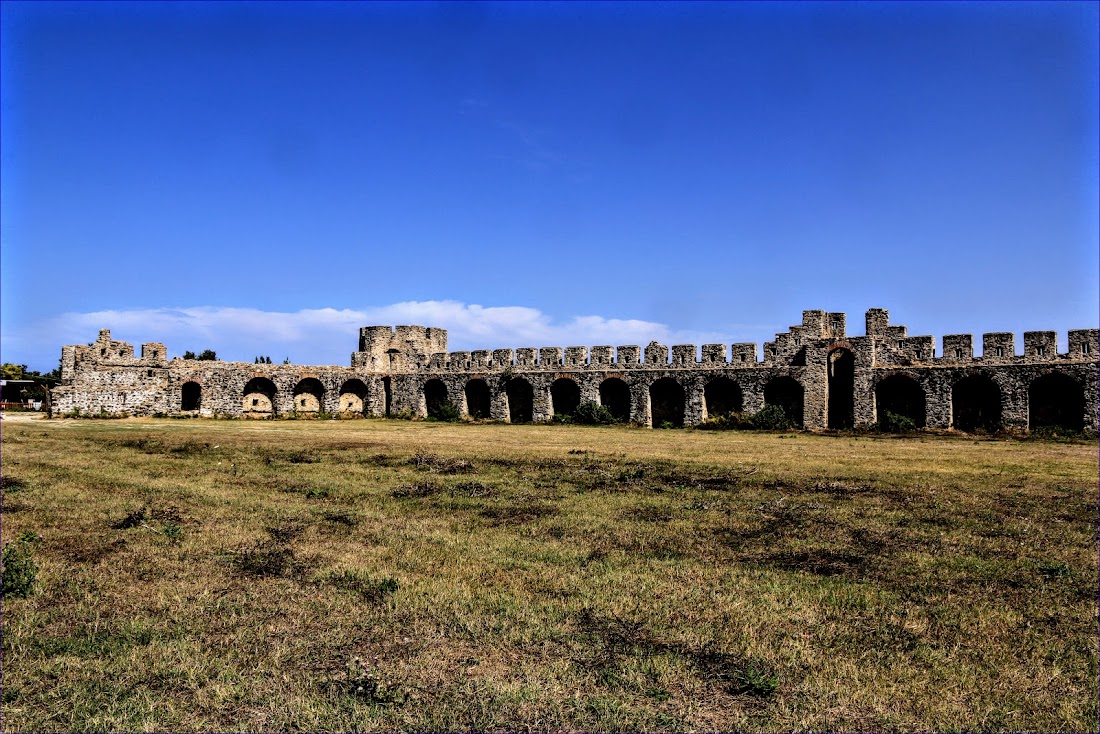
x,y
263,178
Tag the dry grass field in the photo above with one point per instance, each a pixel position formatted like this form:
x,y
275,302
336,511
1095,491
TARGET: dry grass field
x,y
200,575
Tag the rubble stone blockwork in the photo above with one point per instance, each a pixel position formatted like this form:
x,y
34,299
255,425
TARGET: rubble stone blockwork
x,y
819,375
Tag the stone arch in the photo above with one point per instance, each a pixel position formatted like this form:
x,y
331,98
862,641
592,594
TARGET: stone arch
x,y
900,395
615,396
190,396
1055,400
976,404
788,394
309,395
842,375
666,403
722,396
565,396
477,399
435,397
521,400
353,397
259,398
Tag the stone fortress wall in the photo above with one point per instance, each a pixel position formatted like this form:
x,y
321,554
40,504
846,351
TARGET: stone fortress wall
x,y
819,375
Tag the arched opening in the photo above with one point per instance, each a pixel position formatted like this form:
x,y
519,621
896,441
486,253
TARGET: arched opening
x,y
477,399
722,397
353,397
615,396
387,390
521,400
787,393
842,373
259,398
435,398
1056,400
666,401
900,395
565,396
976,404
190,396
308,395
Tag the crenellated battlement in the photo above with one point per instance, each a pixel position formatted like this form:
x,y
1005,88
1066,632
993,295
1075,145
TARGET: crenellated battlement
x,y
107,352
820,375
884,345
398,348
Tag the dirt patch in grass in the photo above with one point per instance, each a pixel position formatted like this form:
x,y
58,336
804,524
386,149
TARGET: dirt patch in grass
x,y
9,483
518,514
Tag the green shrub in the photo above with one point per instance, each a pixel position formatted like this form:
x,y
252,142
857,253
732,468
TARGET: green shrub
x,y
894,423
19,570
173,531
771,418
727,422
446,412
591,413
754,680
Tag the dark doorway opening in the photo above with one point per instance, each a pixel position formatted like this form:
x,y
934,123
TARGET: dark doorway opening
x,y
976,404
387,389
1056,401
565,396
722,397
786,392
435,398
615,396
842,373
477,399
521,400
901,396
190,396
666,400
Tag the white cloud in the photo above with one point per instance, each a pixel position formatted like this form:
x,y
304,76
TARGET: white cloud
x,y
328,335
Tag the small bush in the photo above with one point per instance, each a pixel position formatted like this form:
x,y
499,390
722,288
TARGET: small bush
x,y
446,412
894,423
19,570
771,418
591,413
173,531
752,680
727,422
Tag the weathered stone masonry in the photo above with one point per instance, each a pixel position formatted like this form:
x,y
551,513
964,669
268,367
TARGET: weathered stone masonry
x,y
819,375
